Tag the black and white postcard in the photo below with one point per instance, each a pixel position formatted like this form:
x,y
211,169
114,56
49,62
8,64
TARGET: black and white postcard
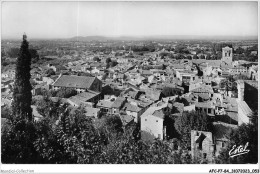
x,y
97,86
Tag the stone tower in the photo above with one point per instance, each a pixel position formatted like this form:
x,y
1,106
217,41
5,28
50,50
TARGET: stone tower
x,y
202,146
227,55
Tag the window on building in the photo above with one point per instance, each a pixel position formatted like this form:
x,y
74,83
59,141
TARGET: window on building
x,y
223,144
204,155
209,110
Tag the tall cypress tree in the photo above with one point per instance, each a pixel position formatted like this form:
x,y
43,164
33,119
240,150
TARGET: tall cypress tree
x,y
22,96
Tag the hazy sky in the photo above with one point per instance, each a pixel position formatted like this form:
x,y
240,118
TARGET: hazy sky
x,y
68,19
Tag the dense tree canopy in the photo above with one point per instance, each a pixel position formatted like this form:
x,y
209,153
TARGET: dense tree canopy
x,y
169,91
50,72
193,120
66,92
73,138
245,133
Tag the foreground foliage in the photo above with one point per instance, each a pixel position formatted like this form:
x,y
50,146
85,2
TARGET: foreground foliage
x,y
75,139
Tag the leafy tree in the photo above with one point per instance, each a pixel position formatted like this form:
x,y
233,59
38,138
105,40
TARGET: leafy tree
x,y
108,60
240,136
182,49
127,150
228,84
17,143
34,54
110,126
193,120
47,108
47,143
5,112
66,93
75,139
182,100
22,96
168,91
50,72
239,50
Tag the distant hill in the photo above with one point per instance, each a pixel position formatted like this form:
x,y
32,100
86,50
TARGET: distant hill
x,y
88,38
162,37
103,38
142,38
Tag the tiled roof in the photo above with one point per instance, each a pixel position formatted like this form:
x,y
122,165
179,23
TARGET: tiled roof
x,y
105,103
225,65
159,113
133,108
133,94
150,111
74,81
153,94
120,75
204,96
146,72
226,48
203,89
90,112
233,115
87,95
126,119
76,99
118,102
178,66
214,63
204,104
